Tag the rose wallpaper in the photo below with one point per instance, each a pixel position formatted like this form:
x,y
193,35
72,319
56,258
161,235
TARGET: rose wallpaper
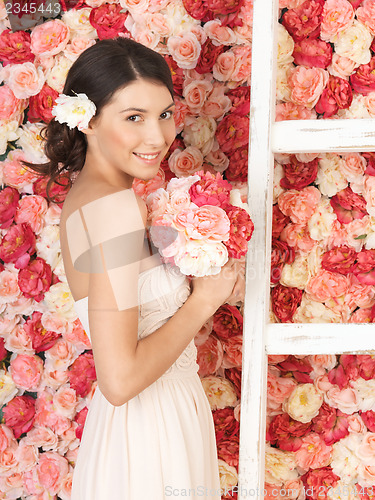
x,y
320,408
47,372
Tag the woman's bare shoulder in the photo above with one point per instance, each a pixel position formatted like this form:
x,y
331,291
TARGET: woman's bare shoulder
x,y
80,194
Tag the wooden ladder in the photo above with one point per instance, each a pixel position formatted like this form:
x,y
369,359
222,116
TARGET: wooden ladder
x,y
260,337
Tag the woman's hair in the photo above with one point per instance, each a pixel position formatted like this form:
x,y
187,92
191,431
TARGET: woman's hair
x,y
98,72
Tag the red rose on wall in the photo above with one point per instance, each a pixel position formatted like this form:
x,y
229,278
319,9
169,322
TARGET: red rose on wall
x,y
348,205
42,339
339,260
281,254
312,52
364,268
15,47
285,301
35,279
337,95
286,433
233,132
227,321
304,21
299,175
279,221
17,245
319,482
40,105
19,414
208,56
108,20
363,79
9,198
238,164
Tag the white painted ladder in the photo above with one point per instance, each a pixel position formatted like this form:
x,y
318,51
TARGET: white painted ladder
x,y
260,337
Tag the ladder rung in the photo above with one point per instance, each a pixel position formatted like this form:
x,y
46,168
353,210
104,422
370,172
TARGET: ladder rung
x,y
312,136
320,338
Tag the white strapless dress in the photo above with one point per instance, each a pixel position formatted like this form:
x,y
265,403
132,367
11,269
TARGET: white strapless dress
x,y
161,443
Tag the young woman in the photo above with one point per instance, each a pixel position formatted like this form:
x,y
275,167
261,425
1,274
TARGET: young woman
x,y
149,431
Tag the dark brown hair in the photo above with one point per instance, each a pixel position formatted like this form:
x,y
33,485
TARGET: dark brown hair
x,y
98,72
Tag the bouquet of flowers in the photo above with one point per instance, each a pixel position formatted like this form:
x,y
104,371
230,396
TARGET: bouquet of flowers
x,y
198,222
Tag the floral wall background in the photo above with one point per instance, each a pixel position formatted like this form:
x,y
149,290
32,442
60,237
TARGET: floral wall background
x,y
320,423
47,375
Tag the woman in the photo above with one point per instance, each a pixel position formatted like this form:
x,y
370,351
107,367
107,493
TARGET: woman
x,y
149,431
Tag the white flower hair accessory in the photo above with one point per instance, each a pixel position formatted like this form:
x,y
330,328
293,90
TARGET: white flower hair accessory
x,y
74,111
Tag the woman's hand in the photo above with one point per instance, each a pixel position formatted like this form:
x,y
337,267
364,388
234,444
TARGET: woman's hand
x,y
238,293
216,289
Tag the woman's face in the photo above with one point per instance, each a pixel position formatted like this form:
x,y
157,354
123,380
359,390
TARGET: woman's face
x,y
133,132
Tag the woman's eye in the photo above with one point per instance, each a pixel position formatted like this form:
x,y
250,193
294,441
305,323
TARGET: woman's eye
x,y
134,118
166,115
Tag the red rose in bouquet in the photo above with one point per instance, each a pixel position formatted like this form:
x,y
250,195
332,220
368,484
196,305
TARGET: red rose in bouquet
x,y
286,433
281,254
312,52
19,414
40,105
15,47
108,20
363,79
339,260
211,190
348,205
285,301
299,175
304,21
336,95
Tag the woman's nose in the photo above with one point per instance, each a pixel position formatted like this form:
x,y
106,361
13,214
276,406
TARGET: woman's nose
x,y
154,134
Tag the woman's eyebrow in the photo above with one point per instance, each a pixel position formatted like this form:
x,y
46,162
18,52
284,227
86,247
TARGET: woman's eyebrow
x,y
145,110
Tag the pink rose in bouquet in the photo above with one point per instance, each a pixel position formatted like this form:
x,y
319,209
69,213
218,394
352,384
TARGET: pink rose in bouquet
x,y
195,226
